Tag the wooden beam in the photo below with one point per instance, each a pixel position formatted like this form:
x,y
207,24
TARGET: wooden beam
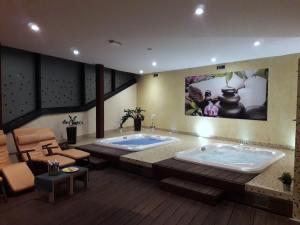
x,y
1,108
99,101
296,205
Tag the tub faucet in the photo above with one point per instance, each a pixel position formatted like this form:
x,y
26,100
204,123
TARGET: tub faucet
x,y
152,122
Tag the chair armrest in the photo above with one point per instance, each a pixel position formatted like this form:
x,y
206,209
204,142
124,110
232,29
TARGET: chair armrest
x,y
46,146
49,148
26,151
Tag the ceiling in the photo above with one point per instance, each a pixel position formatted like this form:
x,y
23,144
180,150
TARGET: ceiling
x,y
179,38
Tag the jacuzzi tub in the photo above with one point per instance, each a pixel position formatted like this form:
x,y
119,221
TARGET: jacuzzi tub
x,y
232,157
136,142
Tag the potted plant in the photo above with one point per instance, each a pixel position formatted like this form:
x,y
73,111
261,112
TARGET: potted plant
x,y
286,179
72,123
137,116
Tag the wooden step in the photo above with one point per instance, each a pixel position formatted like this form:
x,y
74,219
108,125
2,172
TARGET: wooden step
x,y
98,163
203,193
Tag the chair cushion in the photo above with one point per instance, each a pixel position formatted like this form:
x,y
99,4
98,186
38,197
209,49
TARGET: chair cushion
x,y
28,139
46,134
75,154
2,139
63,161
19,177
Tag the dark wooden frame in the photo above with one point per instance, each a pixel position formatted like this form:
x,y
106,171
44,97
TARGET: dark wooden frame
x,y
1,122
39,111
100,101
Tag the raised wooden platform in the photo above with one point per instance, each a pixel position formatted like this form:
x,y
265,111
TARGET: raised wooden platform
x,y
192,190
111,154
98,163
207,175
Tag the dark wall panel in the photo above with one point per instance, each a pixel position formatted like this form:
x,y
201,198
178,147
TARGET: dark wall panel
x,y
18,83
60,82
33,84
107,80
122,78
90,82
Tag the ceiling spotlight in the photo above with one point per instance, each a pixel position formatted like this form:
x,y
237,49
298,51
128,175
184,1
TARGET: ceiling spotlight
x,y
34,27
141,71
115,43
154,63
213,59
199,11
257,43
76,52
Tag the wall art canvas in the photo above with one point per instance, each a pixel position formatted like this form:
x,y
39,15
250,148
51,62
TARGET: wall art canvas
x,y
240,95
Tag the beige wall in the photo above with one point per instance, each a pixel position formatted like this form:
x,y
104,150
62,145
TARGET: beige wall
x,y
113,110
164,96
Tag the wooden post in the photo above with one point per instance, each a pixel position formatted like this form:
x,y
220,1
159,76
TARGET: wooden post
x,y
99,101
296,203
1,108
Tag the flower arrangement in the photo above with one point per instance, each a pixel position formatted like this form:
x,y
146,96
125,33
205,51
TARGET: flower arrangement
x,y
136,114
72,121
286,179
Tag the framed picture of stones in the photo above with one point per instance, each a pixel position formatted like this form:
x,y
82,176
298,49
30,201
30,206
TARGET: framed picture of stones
x,y
240,95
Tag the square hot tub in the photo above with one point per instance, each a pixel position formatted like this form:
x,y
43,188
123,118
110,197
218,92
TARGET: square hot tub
x,y
136,142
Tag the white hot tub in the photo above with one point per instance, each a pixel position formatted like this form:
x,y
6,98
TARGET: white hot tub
x,y
136,142
232,157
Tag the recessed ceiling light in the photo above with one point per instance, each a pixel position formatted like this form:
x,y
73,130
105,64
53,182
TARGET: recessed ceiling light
x,y
34,27
199,11
257,43
154,63
115,43
76,52
141,71
213,59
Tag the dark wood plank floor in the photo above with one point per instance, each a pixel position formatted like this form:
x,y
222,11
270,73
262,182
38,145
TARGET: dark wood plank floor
x,y
115,197
225,179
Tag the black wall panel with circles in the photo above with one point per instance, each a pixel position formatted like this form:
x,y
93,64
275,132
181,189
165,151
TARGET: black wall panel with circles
x,y
33,84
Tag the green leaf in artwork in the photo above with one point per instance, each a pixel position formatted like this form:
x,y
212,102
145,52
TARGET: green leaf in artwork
x,y
194,105
228,76
190,111
263,73
241,74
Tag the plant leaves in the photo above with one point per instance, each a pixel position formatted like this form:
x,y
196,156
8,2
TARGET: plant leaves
x,y
263,73
228,76
190,111
193,105
242,75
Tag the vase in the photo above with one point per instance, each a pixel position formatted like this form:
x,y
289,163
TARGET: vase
x,y
287,187
137,124
71,135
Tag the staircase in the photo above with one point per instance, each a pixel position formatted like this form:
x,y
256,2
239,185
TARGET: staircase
x,y
207,194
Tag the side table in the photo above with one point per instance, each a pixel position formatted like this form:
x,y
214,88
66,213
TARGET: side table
x,y
47,183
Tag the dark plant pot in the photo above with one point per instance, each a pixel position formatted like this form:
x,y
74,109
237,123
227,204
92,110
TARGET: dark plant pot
x,y
286,187
137,124
71,134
